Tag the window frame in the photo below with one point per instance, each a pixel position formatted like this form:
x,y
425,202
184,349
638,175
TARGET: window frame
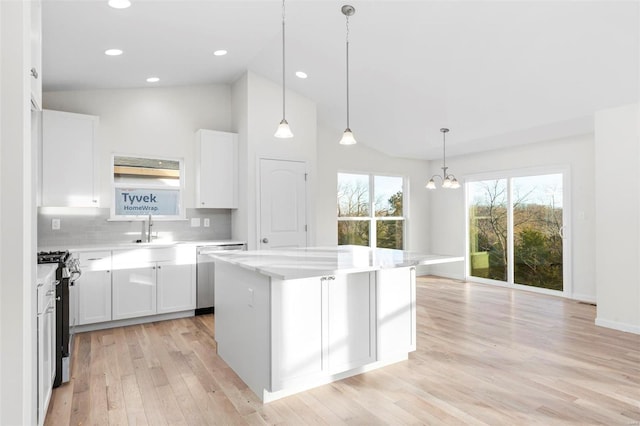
x,y
509,175
140,217
372,218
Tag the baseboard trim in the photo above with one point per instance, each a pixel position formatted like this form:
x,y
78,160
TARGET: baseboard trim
x,y
620,326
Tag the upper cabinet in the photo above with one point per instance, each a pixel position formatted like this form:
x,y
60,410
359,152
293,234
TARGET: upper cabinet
x,y
216,169
36,55
69,177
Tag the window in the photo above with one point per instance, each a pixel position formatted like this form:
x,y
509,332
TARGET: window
x,y
516,230
147,186
371,210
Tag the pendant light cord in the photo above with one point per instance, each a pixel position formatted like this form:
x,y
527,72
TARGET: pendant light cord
x,y
283,71
347,71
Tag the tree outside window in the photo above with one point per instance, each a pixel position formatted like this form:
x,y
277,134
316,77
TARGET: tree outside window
x,y
358,196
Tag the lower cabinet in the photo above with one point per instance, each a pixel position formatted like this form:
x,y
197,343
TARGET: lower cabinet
x,y
396,312
93,288
46,340
134,292
176,287
156,288
322,326
123,284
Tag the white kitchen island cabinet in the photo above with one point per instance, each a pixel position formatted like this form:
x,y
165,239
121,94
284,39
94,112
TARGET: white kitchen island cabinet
x,y
289,320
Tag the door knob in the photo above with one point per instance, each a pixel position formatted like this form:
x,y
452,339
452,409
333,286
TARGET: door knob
x,y
265,240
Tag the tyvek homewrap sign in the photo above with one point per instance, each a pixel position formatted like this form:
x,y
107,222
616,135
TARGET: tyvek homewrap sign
x,y
147,201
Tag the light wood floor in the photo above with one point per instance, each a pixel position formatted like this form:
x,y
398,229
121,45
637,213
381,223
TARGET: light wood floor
x,y
486,355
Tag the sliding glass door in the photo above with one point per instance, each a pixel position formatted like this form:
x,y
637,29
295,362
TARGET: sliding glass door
x,y
515,230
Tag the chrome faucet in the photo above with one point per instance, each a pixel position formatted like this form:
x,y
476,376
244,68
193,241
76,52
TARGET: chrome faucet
x,y
149,225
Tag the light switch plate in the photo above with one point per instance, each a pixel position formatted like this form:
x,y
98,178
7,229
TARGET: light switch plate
x,y
55,224
206,222
195,222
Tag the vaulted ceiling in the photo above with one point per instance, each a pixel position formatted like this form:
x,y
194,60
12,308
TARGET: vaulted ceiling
x,y
498,73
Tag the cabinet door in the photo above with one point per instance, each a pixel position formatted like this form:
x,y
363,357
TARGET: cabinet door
x,y
351,321
396,312
68,159
297,331
134,292
36,55
176,287
94,296
217,169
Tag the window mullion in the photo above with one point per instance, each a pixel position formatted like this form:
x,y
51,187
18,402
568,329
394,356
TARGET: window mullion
x,y
510,233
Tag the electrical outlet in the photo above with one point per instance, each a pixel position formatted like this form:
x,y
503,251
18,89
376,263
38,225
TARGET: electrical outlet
x,y
195,222
55,224
206,222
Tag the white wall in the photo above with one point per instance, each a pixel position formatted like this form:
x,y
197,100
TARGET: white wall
x,y
617,189
257,106
17,221
447,208
334,158
157,121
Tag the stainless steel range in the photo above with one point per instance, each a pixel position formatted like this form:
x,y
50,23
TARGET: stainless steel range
x,y
67,272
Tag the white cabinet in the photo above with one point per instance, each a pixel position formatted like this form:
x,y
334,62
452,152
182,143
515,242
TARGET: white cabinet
x,y
176,287
350,328
46,325
153,281
68,169
36,55
134,291
321,326
396,312
93,288
216,169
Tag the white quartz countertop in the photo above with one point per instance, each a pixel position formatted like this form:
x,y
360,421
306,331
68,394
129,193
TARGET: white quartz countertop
x,y
131,245
320,261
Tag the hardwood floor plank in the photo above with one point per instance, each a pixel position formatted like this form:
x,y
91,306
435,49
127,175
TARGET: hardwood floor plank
x,y
485,355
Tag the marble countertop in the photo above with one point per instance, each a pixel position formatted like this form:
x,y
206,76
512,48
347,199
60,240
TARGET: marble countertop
x,y
131,245
320,261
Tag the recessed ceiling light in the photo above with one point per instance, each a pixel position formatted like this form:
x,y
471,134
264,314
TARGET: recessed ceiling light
x,y
119,4
113,52
301,74
220,52
153,80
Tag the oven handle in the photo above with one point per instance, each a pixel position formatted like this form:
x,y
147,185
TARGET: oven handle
x,y
74,276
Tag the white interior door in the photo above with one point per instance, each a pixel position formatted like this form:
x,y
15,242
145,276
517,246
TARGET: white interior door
x,y
283,214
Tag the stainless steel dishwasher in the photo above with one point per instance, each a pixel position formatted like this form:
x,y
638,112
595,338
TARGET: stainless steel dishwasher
x,y
205,281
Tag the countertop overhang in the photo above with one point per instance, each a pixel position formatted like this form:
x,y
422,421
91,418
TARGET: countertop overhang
x,y
295,263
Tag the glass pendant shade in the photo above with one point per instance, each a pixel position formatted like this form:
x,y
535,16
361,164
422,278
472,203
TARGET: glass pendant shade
x,y
454,184
347,138
431,184
283,130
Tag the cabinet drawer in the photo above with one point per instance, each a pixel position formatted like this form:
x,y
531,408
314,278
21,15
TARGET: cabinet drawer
x,y
95,260
139,257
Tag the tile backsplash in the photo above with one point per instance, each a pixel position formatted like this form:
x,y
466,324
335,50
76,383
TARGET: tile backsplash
x,y
82,226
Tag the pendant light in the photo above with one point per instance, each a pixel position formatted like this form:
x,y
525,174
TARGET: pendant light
x,y
283,130
347,136
448,180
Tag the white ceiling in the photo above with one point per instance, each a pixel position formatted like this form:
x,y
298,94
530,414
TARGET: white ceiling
x,y
497,73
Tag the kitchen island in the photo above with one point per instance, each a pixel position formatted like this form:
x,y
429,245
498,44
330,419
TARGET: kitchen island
x,y
288,320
